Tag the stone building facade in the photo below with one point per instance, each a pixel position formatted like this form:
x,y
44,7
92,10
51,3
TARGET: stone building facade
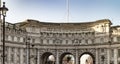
x,y
32,42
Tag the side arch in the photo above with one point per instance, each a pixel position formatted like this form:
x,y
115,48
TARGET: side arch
x,y
89,53
62,57
45,58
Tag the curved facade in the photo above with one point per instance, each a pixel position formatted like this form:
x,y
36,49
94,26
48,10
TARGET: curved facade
x,y
32,42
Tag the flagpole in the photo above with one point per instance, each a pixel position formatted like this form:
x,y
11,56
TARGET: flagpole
x,y
0,34
0,12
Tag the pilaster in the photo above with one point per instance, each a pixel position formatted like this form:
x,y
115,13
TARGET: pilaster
x,y
76,56
38,56
9,56
21,56
15,56
57,57
108,56
115,56
96,59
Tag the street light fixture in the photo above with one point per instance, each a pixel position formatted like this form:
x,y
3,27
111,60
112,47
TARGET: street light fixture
x,y
3,10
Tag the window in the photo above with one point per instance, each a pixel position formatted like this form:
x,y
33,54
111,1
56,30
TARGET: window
x,y
76,41
18,39
9,38
102,40
66,41
66,35
102,50
24,40
12,38
18,50
21,39
48,41
6,37
33,40
72,41
89,41
41,41
33,29
15,39
53,41
60,41
12,49
92,40
79,41
86,41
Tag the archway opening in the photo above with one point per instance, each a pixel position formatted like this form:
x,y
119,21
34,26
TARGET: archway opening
x,y
48,58
87,58
67,58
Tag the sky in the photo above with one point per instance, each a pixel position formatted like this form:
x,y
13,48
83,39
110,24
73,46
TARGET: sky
x,y
56,10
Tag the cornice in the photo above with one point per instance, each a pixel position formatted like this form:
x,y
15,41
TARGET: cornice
x,y
38,24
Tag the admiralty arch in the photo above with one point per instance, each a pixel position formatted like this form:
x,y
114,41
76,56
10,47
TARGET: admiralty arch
x,y
36,42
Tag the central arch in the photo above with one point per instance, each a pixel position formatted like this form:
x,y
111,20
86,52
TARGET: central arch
x,y
67,58
87,58
47,58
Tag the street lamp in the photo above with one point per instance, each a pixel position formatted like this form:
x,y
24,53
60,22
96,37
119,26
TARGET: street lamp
x,y
3,10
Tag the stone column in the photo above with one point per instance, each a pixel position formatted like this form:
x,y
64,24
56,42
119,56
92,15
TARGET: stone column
x,y
76,56
115,56
57,57
38,56
15,56
9,56
21,56
108,56
96,58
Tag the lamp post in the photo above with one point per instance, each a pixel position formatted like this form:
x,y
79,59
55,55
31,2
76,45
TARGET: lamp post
x,y
3,10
